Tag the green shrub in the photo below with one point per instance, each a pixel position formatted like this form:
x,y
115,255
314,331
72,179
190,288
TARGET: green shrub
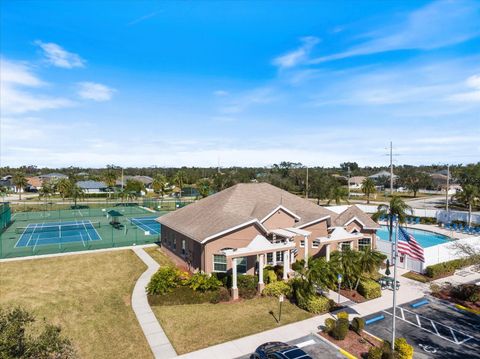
x,y
387,350
318,304
269,276
369,289
275,289
220,295
247,293
164,280
342,315
203,282
329,324
181,295
403,350
375,353
358,324
446,269
341,329
468,292
247,281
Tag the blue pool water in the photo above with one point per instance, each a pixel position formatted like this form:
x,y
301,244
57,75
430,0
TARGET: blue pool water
x,y
424,238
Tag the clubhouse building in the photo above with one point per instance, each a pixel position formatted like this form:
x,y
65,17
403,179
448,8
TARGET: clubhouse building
x,y
250,225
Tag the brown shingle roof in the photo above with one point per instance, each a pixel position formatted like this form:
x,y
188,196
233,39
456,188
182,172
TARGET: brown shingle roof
x,y
236,205
354,211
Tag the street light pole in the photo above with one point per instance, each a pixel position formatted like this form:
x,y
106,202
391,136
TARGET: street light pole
x,y
394,257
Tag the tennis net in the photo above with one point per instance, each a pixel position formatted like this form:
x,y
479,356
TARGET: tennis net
x,y
57,227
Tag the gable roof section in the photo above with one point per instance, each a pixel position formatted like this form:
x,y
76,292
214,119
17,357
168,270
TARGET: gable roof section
x,y
237,205
354,213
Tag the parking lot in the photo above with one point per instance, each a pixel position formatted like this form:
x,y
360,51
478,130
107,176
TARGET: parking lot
x,y
313,346
436,330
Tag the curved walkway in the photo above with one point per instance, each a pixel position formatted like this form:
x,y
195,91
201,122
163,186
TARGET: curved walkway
x,y
158,341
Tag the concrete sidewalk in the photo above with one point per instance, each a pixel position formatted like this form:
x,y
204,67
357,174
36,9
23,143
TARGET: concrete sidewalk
x,y
158,341
409,290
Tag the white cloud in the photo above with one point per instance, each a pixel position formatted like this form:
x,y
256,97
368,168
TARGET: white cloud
x,y
438,24
472,82
17,84
59,57
297,56
95,91
143,18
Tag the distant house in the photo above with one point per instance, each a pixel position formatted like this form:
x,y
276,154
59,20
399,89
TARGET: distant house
x,y
52,176
7,183
34,184
356,182
92,186
381,174
146,180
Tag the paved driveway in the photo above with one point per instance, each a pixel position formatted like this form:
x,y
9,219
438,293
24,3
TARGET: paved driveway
x,y
435,330
313,346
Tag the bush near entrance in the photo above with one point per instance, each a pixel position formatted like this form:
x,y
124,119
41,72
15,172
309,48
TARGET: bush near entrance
x,y
317,304
369,289
358,324
275,289
341,329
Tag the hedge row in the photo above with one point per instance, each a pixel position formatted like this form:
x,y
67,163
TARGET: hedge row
x,y
369,289
448,268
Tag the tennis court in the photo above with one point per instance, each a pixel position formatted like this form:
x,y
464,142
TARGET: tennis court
x,y
147,224
37,234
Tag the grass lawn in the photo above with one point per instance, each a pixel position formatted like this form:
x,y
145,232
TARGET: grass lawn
x,y
159,255
196,326
88,295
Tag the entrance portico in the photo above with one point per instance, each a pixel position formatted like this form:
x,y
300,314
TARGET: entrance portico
x,y
259,247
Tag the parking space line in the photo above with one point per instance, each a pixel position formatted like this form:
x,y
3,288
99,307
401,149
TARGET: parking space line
x,y
306,343
432,322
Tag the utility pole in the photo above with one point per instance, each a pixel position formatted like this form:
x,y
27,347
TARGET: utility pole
x,y
391,168
306,186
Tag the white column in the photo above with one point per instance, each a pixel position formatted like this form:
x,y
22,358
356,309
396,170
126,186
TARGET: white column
x,y
234,273
351,245
260,268
286,264
234,289
274,258
306,248
327,252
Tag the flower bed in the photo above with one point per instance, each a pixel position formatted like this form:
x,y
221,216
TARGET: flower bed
x,y
355,344
446,293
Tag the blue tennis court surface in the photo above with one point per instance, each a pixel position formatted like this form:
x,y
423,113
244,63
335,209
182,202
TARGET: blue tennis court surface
x,y
147,224
37,234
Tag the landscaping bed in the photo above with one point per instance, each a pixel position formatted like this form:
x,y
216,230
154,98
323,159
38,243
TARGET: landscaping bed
x,y
417,277
356,344
467,295
353,295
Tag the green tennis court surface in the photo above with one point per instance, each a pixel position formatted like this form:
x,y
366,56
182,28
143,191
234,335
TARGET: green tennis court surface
x,y
69,230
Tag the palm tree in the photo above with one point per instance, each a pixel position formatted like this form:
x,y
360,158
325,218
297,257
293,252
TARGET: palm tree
x,y
204,186
338,194
469,196
110,178
317,272
64,186
180,179
46,191
396,207
368,187
76,193
20,182
346,262
159,185
368,261
3,192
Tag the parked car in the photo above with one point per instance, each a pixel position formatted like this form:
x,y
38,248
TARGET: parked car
x,y
279,350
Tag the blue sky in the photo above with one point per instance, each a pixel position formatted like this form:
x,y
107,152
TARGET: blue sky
x,y
240,83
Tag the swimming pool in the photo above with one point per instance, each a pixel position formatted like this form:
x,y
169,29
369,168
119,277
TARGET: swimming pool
x,y
424,238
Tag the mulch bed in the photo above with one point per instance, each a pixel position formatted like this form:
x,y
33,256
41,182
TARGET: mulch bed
x,y
353,343
353,295
445,295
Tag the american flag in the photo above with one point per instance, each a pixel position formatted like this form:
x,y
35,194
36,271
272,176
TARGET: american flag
x,y
408,245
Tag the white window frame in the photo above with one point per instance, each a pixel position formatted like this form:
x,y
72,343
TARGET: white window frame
x,y
361,246
315,243
242,262
222,263
345,243
183,247
302,243
279,256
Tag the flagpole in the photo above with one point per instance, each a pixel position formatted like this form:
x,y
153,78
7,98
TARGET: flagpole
x,y
394,245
